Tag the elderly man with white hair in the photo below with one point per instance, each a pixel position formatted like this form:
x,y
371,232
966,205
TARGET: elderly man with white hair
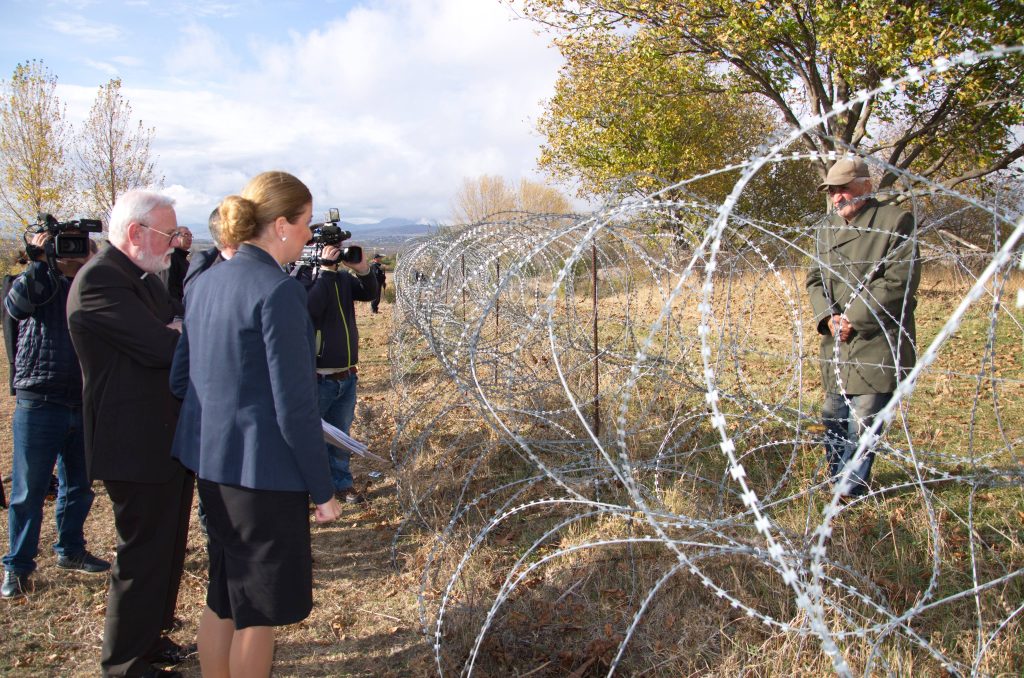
x,y
125,327
863,290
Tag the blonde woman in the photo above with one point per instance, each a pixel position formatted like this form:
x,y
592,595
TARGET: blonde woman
x,y
249,427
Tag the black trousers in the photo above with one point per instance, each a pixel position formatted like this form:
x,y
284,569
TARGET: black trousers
x,y
152,531
375,304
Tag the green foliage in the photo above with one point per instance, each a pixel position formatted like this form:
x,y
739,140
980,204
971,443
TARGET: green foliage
x,y
626,117
34,144
803,58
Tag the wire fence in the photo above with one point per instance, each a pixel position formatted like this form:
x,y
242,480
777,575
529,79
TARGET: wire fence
x,y
644,382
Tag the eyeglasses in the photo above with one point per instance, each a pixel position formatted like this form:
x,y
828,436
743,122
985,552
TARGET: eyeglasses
x,y
170,236
845,188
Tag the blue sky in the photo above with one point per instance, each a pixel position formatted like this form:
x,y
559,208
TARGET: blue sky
x,y
382,106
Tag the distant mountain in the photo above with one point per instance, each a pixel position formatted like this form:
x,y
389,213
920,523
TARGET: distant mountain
x,y
386,236
390,227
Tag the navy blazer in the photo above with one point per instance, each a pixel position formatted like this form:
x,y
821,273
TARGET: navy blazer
x,y
200,262
245,368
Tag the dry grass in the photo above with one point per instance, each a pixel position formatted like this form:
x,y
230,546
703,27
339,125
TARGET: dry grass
x,y
568,616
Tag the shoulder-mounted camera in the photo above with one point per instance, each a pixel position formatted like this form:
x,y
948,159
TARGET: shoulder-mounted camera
x,y
329,233
70,238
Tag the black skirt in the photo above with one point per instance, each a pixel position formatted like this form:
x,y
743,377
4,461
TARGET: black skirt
x,y
261,565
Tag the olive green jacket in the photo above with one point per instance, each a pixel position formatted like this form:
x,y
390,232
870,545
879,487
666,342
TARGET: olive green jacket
x,y
867,270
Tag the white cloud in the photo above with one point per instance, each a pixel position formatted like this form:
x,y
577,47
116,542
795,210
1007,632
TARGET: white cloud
x,y
77,5
102,66
127,61
189,201
112,66
77,26
200,54
217,9
382,112
78,101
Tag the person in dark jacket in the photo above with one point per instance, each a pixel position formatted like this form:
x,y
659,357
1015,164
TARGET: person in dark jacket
x,y
10,325
179,264
125,326
377,269
47,424
249,427
205,260
332,309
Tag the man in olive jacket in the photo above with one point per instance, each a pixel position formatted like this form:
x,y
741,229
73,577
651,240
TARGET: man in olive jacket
x,y
862,286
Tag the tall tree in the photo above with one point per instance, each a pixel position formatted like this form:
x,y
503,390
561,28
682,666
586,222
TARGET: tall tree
x,y
537,198
35,175
625,119
806,58
490,196
113,152
482,197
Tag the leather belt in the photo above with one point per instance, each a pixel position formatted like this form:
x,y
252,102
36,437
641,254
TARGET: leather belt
x,y
339,376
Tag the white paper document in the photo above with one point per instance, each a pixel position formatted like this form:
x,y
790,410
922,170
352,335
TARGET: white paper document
x,y
335,436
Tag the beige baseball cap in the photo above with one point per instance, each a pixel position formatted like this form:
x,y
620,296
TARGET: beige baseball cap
x,y
844,171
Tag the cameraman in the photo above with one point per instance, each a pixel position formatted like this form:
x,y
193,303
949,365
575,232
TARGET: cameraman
x,y
332,309
47,423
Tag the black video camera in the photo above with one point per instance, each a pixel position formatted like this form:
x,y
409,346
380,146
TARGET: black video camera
x,y
70,238
329,233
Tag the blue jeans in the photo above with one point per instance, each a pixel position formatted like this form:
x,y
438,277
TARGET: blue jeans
x,y
46,434
338,407
844,423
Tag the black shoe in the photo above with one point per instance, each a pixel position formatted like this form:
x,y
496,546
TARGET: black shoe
x,y
16,585
171,653
51,491
177,624
350,496
86,562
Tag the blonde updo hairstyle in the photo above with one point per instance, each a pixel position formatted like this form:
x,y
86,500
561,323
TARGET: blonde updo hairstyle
x,y
266,197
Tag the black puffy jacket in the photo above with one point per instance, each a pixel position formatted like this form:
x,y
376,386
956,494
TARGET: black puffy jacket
x,y
45,365
333,313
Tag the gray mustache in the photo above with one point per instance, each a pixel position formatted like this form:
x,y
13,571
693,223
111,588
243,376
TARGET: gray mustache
x,y
851,201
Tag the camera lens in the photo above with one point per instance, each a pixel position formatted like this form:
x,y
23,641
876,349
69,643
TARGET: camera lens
x,y
70,246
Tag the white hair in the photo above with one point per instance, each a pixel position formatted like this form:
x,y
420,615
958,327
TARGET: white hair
x,y
132,206
865,181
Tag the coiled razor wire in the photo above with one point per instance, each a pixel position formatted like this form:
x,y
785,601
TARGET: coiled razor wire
x,y
644,382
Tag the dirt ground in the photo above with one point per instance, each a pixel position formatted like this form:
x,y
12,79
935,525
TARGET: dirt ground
x,y
364,621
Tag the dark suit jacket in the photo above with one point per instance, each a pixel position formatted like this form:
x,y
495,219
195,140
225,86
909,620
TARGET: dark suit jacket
x,y
245,368
10,329
118,321
177,272
200,262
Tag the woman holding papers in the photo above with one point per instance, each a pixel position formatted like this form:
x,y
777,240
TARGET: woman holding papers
x,y
249,427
